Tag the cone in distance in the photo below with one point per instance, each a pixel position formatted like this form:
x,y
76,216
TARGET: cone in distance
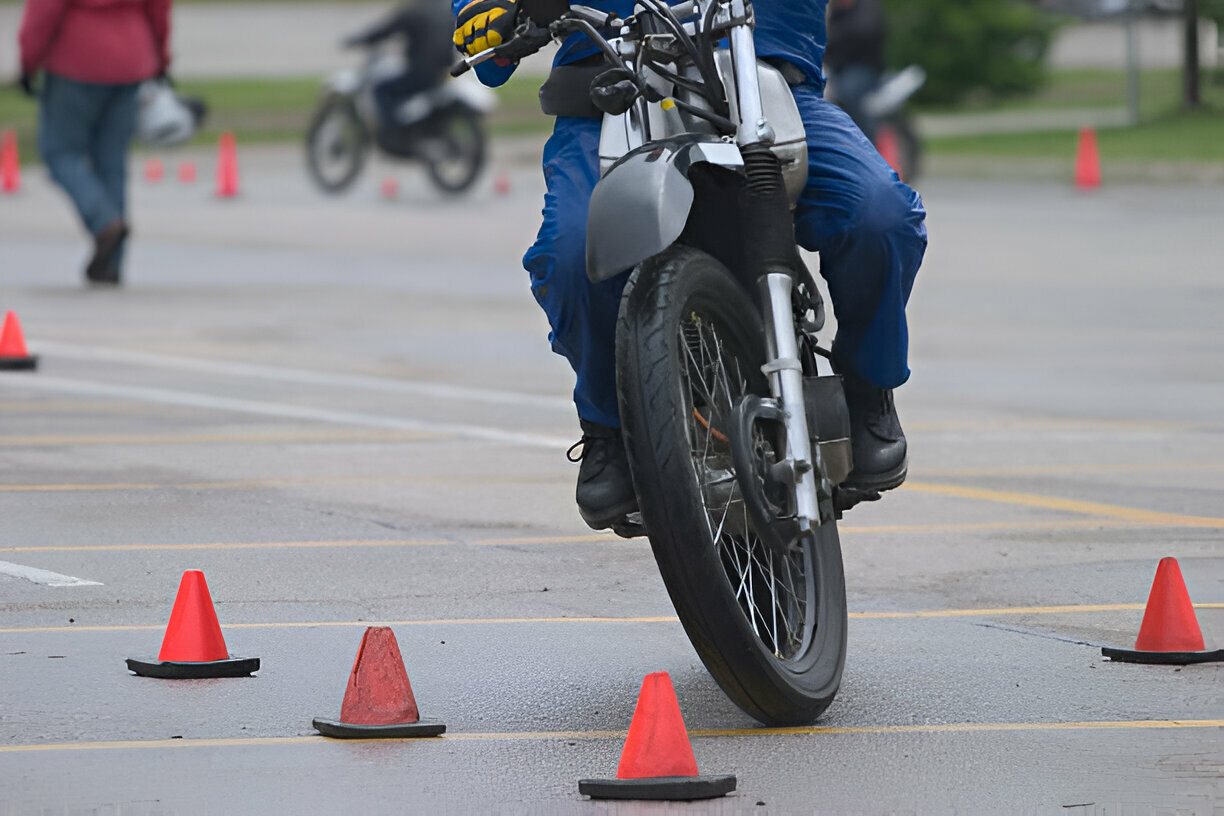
x,y
390,187
1087,161
187,172
657,762
886,144
154,170
227,166
10,166
193,646
13,353
1170,633
378,702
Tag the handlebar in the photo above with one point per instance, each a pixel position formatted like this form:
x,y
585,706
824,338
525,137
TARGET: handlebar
x,y
528,39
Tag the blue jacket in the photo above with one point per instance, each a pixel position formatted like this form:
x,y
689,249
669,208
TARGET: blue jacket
x,y
791,29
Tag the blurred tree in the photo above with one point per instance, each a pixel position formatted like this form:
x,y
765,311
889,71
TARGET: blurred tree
x,y
993,48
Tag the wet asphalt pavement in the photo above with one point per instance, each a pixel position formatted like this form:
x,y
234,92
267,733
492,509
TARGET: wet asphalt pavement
x,y
344,411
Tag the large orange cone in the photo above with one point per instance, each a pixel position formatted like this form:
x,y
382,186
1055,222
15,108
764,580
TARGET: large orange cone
x,y
193,646
1170,632
10,167
378,701
13,353
657,761
227,166
1087,161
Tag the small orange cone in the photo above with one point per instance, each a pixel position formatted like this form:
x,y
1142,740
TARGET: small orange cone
x,y
187,172
501,184
227,166
1087,161
390,187
13,353
657,761
193,646
154,170
1170,632
10,167
886,143
378,701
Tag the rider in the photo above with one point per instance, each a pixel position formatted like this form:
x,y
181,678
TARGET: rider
x,y
855,56
423,26
867,226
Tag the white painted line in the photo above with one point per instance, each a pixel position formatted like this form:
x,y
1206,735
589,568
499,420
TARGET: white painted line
x,y
191,399
42,576
304,377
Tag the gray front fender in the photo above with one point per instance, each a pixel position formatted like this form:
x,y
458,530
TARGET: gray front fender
x,y
640,206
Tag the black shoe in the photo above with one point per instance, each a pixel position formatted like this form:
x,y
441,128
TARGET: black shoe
x,y
102,267
605,488
880,461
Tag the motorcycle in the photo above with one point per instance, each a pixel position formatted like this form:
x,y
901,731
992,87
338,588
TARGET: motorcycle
x,y
736,428
896,138
443,127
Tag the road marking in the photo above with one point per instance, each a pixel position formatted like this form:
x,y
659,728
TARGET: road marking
x,y
192,399
1065,505
1067,470
249,484
346,382
233,545
273,437
548,736
42,576
918,614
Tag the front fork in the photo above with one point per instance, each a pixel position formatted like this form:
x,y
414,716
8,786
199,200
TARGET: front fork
x,y
785,372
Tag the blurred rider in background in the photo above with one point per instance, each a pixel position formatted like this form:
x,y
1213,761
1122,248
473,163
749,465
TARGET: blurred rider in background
x,y
854,60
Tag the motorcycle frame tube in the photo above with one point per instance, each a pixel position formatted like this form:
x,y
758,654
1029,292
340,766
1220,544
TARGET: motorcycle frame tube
x,y
785,373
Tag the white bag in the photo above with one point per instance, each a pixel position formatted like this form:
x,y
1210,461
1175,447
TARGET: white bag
x,y
163,119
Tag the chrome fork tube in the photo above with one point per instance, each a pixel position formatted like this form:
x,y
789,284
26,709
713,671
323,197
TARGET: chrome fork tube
x,y
753,127
785,373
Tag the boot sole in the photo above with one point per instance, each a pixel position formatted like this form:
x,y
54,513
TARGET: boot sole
x,y
878,482
605,520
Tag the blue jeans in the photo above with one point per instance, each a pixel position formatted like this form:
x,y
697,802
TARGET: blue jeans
x,y
867,226
84,130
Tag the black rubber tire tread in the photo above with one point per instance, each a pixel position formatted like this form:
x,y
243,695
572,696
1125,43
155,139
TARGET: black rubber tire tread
x,y
345,105
773,692
473,121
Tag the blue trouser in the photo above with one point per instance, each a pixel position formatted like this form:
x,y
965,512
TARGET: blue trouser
x,y
867,226
84,130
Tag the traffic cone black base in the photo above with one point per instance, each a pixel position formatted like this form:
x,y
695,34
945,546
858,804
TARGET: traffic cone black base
x,y
27,363
176,670
1163,658
660,788
342,730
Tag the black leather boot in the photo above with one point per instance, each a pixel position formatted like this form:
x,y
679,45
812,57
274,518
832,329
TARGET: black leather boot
x,y
880,461
605,487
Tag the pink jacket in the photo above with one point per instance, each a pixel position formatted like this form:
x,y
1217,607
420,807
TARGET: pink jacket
x,y
105,41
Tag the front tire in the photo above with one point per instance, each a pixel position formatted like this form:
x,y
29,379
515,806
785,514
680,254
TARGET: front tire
x,y
337,144
770,627
456,151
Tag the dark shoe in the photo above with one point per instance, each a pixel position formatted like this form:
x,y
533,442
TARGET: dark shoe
x,y
102,267
880,461
605,488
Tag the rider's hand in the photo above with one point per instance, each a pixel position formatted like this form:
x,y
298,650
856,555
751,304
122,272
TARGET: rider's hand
x,y
484,24
27,84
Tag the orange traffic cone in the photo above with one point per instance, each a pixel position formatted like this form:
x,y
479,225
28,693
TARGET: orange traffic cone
x,y
657,761
390,187
187,172
193,646
227,166
501,183
1170,632
10,167
1087,161
13,353
154,170
378,701
886,143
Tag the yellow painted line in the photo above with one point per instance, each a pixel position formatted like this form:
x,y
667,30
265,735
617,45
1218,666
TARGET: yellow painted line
x,y
548,736
273,437
601,538
233,545
969,426
987,526
256,484
1067,470
1113,511
918,614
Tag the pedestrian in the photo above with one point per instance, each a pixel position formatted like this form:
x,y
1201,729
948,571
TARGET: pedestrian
x,y
854,59
93,55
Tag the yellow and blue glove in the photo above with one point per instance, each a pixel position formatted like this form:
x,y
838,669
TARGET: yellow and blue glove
x,y
484,24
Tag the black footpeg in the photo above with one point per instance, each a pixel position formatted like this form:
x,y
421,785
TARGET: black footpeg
x,y
844,498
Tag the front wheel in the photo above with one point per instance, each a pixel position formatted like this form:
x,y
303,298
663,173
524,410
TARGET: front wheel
x,y
770,626
455,151
336,145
